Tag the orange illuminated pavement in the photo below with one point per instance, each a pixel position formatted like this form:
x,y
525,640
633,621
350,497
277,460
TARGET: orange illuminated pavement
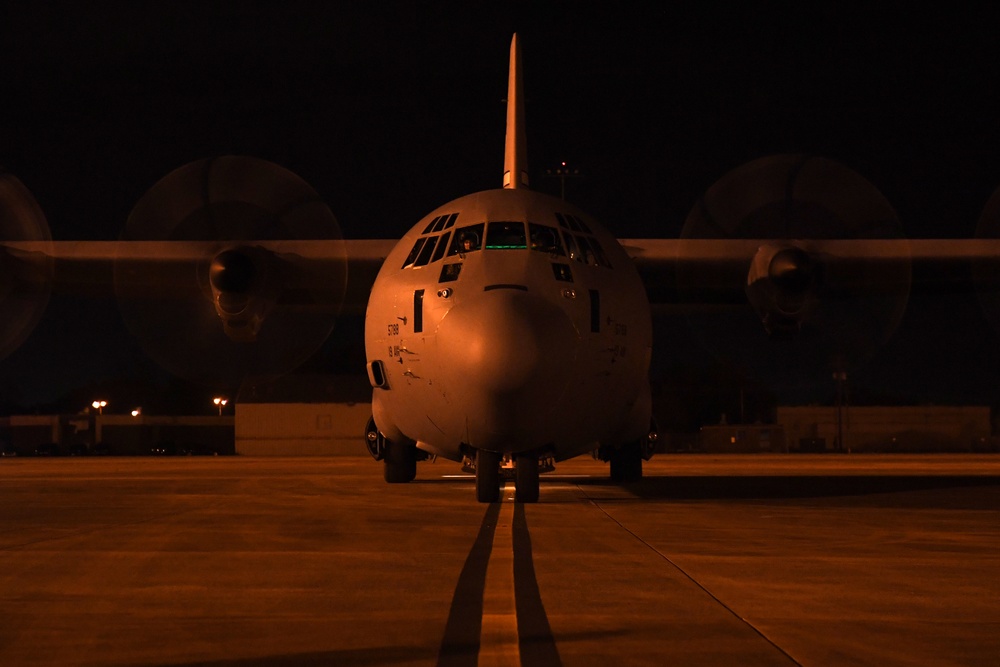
x,y
765,560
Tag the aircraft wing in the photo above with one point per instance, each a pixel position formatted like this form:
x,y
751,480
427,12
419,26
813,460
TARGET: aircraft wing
x,y
692,272
675,271
152,268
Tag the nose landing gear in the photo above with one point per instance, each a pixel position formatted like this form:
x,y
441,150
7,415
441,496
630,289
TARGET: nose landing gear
x,y
526,478
487,476
492,468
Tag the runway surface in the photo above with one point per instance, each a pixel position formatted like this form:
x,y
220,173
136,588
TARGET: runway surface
x,y
749,560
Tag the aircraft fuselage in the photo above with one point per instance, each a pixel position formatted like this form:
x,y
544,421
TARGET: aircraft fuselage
x,y
508,321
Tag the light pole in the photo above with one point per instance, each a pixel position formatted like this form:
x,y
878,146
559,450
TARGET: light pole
x,y
220,402
562,172
840,377
94,424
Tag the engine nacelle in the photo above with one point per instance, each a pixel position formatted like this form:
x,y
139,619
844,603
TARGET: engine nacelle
x,y
237,235
782,287
244,290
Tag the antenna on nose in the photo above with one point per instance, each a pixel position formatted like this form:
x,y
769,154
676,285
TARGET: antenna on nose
x,y
515,157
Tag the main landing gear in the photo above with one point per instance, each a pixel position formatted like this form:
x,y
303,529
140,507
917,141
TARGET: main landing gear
x,y
399,460
490,476
626,463
626,460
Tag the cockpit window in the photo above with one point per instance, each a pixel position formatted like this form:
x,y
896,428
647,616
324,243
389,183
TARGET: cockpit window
x,y
466,239
580,223
586,254
602,259
505,236
581,246
425,253
567,221
591,252
545,239
571,246
440,223
412,257
449,272
441,246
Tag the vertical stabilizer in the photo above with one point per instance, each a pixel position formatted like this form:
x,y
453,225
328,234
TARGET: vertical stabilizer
x,y
515,158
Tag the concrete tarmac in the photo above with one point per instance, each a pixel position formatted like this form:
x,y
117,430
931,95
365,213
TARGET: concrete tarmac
x,y
710,560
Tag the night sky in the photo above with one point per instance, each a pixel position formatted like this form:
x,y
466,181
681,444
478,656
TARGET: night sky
x,y
393,111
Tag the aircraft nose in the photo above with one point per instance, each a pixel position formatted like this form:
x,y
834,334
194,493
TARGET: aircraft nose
x,y
508,342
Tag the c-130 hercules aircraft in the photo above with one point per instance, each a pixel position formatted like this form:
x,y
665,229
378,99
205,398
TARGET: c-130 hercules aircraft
x,y
506,324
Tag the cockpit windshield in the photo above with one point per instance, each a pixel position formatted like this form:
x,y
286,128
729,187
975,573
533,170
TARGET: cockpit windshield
x,y
505,236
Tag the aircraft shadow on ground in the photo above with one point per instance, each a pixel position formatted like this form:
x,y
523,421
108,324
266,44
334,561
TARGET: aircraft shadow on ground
x,y
945,491
945,488
361,656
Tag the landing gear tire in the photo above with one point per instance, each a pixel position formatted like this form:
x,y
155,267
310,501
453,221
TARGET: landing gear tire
x,y
487,476
400,462
526,479
626,463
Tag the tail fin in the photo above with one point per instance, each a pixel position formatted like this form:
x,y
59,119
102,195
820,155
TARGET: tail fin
x,y
515,157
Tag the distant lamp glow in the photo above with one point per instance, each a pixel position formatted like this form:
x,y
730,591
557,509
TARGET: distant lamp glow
x,y
137,412
99,406
220,402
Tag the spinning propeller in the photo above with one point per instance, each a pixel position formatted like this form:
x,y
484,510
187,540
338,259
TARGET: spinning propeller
x,y
986,270
231,268
25,276
820,313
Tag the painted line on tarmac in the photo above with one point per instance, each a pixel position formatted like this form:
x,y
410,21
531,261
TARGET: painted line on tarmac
x,y
498,644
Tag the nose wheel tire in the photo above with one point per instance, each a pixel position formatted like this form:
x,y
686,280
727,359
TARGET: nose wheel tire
x,y
487,476
526,479
400,462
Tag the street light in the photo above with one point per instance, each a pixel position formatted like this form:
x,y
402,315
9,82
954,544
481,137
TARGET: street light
x,y
99,406
137,412
220,402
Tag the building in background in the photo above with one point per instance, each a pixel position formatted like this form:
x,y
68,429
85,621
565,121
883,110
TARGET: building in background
x,y
924,428
323,416
304,415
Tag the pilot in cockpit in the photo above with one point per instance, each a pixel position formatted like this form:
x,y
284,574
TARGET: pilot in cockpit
x,y
543,239
468,242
